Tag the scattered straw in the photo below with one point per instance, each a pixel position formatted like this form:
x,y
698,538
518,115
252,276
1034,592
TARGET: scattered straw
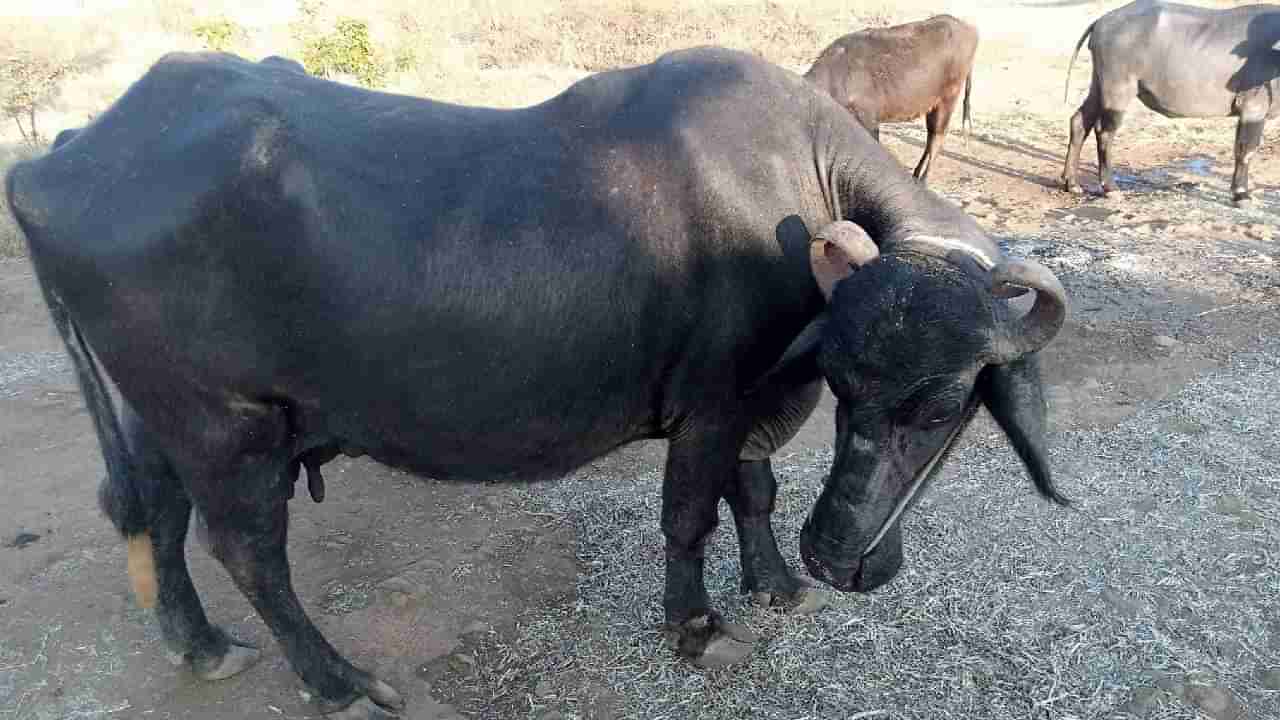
x,y
1158,592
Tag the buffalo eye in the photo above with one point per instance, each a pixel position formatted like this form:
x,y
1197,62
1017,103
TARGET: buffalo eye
x,y
939,417
935,412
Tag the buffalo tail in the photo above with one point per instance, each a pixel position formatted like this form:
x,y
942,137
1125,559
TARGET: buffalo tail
x,y
1067,90
119,496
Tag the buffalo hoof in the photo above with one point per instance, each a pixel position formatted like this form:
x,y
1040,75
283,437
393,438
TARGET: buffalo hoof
x,y
806,600
380,702
363,709
710,642
237,658
1073,188
1242,201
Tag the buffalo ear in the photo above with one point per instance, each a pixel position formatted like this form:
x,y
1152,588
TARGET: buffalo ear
x,y
798,364
837,251
1014,396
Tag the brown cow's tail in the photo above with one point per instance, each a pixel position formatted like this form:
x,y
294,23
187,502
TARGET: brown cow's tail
x,y
1066,91
965,122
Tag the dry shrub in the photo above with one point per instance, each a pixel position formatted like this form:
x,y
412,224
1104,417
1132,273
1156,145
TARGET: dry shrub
x,y
35,60
219,34
11,242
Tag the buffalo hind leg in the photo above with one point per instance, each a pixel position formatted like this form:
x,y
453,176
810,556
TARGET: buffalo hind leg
x,y
191,639
764,573
1253,110
699,469
936,123
1082,123
249,540
1108,123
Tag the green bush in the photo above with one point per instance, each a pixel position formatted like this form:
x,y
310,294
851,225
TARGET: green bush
x,y
347,49
218,34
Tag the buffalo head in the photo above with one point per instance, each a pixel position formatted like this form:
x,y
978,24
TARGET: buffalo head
x,y
910,344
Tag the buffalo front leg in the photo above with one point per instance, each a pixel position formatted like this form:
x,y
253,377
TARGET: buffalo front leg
x,y
1253,115
249,540
764,573
697,474
1082,123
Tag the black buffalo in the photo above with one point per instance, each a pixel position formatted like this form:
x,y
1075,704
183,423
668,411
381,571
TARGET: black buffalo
x,y
274,269
1180,61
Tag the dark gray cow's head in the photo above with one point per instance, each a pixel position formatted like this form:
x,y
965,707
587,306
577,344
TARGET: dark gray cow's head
x,y
910,346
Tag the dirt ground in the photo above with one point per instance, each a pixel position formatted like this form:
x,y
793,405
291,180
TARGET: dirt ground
x,y
495,602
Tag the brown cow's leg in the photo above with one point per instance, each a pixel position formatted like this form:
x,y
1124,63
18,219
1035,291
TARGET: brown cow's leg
x,y
700,466
936,122
1082,123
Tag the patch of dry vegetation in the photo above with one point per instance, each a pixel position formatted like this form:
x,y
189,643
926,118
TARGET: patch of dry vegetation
x,y
11,242
1152,598
60,72
585,38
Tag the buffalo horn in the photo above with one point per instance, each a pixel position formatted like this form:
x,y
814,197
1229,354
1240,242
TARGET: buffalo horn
x,y
1039,326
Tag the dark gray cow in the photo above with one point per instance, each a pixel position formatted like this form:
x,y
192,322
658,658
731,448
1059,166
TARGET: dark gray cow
x,y
1181,61
900,73
274,269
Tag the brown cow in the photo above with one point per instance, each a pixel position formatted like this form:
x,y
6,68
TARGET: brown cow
x,y
899,73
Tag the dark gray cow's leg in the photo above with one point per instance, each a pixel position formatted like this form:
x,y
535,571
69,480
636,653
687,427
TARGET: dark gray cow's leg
x,y
1082,123
191,639
1108,123
1253,115
699,468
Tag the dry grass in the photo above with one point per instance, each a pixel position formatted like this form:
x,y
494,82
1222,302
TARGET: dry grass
x,y
1155,598
11,241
